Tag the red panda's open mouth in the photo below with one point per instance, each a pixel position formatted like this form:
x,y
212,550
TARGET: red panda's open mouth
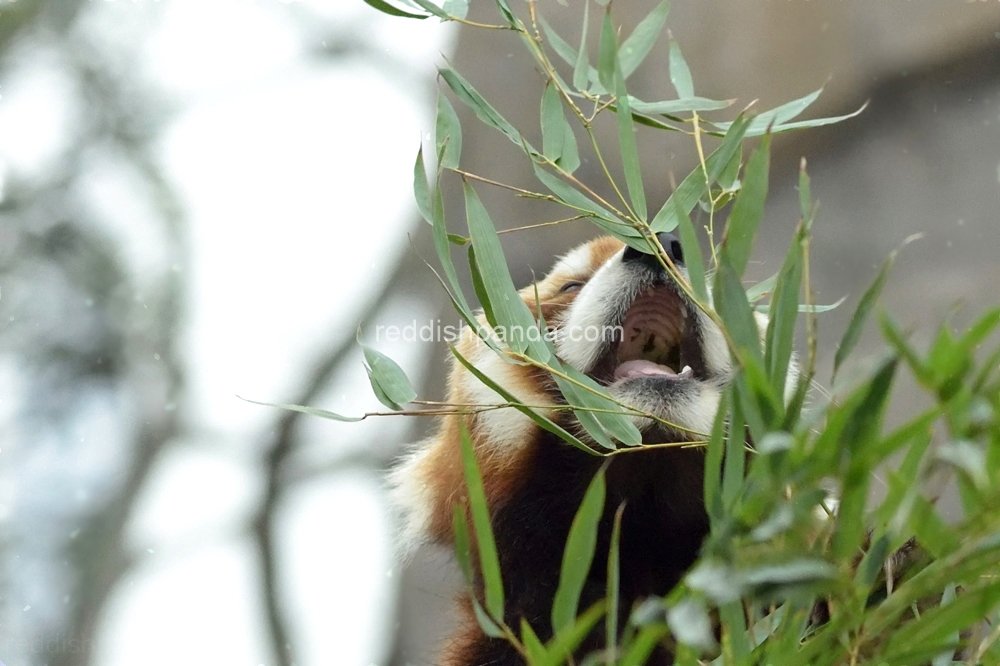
x,y
652,335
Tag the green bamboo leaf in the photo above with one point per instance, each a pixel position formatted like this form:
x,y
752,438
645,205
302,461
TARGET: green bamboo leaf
x,y
680,75
421,191
483,110
859,423
729,178
734,463
480,289
732,305
734,631
630,153
448,133
676,106
762,289
578,555
607,53
552,122
560,648
865,305
463,546
443,248
542,421
432,8
486,546
386,8
581,67
558,140
780,337
692,188
614,581
510,310
744,220
486,623
936,628
692,254
534,647
642,646
800,570
456,8
608,417
311,411
805,195
388,380
508,15
635,49
811,308
713,459
778,115
601,217
807,124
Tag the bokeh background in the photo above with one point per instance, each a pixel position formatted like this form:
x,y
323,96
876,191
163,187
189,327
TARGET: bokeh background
x,y
204,199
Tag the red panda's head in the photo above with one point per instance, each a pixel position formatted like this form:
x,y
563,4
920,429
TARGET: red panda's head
x,y
614,314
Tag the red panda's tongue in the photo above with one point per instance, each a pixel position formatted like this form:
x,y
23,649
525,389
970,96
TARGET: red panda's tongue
x,y
640,367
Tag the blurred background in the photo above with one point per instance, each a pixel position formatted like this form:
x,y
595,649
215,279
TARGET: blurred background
x,y
203,199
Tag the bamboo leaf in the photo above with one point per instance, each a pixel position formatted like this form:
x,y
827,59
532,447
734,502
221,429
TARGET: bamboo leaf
x,y
483,110
604,417
421,191
675,106
635,49
743,222
692,254
578,555
732,305
865,306
388,380
780,337
629,151
581,67
510,310
558,140
486,547
807,124
778,115
695,185
432,8
456,8
480,289
448,134
713,459
311,411
607,54
643,644
936,628
386,8
680,75
614,582
463,546
560,648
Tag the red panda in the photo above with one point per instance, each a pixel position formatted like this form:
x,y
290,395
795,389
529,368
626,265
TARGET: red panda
x,y
665,357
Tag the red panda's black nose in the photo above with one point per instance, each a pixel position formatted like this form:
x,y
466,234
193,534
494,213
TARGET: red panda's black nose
x,y
671,244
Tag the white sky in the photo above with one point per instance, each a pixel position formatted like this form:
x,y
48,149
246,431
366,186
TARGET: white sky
x,y
296,174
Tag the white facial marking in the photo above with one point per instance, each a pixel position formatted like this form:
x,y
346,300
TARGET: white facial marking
x,y
594,309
